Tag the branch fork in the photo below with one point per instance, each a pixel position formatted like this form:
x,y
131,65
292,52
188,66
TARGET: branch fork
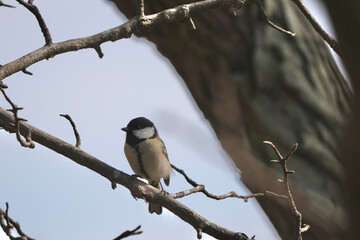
x,y
282,161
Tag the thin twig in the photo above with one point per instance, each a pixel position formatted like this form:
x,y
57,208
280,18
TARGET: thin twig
x,y
5,5
7,224
141,8
282,161
34,10
237,5
260,4
199,233
76,133
129,233
330,40
99,51
270,193
28,143
26,72
192,24
201,188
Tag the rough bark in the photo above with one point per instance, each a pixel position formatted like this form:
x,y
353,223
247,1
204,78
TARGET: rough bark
x,y
253,83
346,20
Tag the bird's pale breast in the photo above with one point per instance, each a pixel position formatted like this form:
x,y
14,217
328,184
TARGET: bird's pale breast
x,y
152,163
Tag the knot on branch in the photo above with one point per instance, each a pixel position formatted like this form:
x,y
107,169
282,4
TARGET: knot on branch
x,y
184,12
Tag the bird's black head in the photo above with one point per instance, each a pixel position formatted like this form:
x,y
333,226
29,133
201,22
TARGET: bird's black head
x,y
137,124
139,129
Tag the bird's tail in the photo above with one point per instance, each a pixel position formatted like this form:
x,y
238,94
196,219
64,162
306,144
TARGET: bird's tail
x,y
153,207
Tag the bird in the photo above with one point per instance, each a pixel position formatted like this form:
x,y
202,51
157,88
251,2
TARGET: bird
x,y
147,155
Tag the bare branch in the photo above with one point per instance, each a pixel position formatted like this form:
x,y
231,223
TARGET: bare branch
x,y
76,133
34,10
270,193
331,41
260,4
125,30
137,188
276,151
5,5
99,51
129,233
26,72
7,224
201,188
192,24
28,143
282,162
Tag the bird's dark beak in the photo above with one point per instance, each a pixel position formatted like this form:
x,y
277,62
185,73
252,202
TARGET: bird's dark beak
x,y
125,129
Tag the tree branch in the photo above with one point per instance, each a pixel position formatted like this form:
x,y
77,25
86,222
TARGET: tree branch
x,y
5,5
34,10
76,133
260,4
201,188
125,30
282,162
129,233
331,41
7,224
28,143
137,188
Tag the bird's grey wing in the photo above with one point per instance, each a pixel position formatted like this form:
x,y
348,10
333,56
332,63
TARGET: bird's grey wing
x,y
164,151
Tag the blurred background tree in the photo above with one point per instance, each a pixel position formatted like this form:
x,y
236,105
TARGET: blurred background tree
x,y
253,83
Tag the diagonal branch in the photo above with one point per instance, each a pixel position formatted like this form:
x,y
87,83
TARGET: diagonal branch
x,y
5,5
129,233
260,4
201,188
34,10
138,188
125,30
331,41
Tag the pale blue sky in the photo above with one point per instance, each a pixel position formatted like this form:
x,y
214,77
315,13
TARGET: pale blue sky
x,y
53,197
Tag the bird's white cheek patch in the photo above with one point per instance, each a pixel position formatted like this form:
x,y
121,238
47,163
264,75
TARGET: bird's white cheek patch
x,y
147,132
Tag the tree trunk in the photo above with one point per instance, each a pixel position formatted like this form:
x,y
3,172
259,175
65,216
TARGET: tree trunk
x,y
254,83
346,20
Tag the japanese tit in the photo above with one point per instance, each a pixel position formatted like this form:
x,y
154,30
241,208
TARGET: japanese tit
x,y
147,154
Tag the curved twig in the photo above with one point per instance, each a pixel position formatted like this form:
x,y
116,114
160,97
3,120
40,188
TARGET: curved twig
x,y
76,133
260,4
28,143
34,10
